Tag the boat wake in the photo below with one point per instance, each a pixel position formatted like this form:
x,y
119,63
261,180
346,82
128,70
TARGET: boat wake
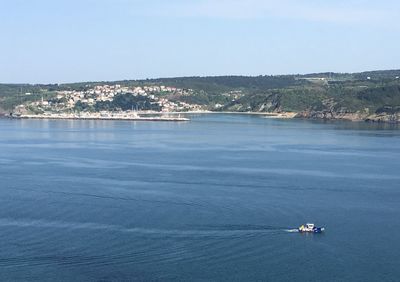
x,y
199,231
292,230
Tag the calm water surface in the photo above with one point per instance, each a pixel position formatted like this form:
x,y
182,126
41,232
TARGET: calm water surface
x,y
212,199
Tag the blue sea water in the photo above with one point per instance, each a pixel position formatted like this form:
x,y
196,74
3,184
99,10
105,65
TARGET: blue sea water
x,y
213,199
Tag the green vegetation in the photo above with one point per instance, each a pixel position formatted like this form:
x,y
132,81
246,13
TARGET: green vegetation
x,y
127,102
373,92
12,95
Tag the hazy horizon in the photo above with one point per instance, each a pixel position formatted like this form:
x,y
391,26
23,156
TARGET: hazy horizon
x,y
73,41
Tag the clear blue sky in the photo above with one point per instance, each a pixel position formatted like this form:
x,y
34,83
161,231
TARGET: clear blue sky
x,y
45,41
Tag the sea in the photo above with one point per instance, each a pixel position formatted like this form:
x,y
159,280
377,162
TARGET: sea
x,y
218,198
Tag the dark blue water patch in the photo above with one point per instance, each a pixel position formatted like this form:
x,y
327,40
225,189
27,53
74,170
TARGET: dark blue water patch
x,y
218,198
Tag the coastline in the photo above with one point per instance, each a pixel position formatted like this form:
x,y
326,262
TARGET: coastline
x,y
158,116
353,117
94,117
266,114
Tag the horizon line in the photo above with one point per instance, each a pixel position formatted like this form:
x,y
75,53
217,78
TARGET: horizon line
x,y
196,76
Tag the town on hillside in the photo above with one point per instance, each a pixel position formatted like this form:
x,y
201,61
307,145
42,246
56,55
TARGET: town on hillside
x,y
107,99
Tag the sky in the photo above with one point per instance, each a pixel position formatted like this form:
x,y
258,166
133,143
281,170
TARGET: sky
x,y
56,41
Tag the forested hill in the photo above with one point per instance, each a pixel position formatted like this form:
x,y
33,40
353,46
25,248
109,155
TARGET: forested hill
x,y
317,94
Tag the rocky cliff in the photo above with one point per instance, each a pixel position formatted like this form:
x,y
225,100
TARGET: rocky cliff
x,y
331,111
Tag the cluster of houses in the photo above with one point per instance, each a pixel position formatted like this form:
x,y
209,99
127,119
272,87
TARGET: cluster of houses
x,y
66,100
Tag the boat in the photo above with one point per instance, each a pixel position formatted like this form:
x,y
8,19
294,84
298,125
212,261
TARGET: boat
x,y
310,228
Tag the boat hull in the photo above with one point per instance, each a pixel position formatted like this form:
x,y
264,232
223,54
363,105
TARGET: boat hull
x,y
315,230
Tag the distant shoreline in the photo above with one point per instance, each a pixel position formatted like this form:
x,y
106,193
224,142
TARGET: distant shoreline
x,y
127,118
272,115
156,116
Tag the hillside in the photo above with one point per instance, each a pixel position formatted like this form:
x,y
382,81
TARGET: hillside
x,y
373,95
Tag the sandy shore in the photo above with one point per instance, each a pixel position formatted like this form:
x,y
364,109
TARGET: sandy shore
x,y
151,116
267,115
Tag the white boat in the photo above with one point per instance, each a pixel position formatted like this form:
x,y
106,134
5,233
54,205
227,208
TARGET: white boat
x,y
310,228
